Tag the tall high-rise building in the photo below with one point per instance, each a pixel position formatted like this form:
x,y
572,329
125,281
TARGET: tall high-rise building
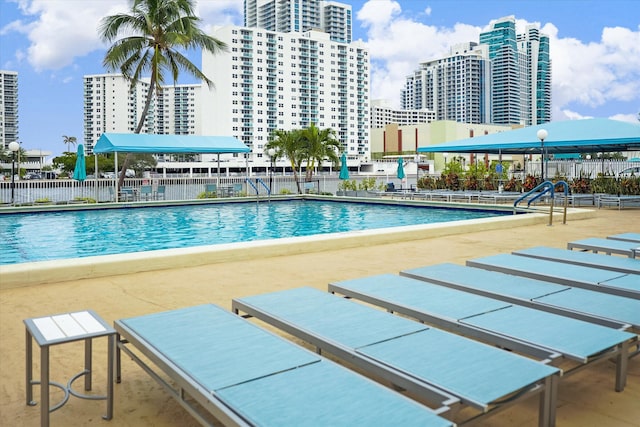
x,y
534,50
298,16
521,73
111,106
456,87
270,80
505,79
8,107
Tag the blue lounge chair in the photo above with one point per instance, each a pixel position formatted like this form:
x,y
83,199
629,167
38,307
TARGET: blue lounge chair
x,y
595,279
626,237
607,246
586,259
220,365
553,338
596,307
409,354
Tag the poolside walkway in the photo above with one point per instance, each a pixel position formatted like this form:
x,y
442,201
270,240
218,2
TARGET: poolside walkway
x,y
585,399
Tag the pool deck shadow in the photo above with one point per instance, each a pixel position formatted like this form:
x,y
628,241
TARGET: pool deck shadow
x,y
585,399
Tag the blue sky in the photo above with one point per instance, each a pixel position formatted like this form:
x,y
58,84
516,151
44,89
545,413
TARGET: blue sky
x,y
595,49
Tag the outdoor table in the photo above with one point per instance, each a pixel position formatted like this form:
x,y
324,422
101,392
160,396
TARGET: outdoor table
x,y
65,328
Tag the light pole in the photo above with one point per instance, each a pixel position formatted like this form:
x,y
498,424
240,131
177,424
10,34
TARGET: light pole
x,y
417,170
271,153
445,159
542,135
13,147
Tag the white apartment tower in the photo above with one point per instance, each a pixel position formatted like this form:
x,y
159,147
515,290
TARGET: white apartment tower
x,y
270,80
456,87
382,114
8,107
298,16
110,106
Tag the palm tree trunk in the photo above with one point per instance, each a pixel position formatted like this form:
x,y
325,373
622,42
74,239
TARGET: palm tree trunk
x,y
295,176
141,122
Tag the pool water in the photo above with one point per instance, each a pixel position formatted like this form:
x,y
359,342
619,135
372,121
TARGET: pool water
x,y
73,234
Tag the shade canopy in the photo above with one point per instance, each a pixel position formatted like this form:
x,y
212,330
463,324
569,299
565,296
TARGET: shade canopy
x,y
145,143
572,136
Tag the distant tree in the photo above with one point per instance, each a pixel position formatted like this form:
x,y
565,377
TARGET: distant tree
x,y
69,140
288,144
318,145
141,162
152,34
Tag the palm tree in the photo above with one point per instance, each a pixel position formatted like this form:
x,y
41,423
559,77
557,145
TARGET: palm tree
x,y
152,35
69,140
288,144
319,145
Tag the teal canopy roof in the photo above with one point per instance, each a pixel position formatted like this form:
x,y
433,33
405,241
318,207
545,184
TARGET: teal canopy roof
x,y
145,143
572,136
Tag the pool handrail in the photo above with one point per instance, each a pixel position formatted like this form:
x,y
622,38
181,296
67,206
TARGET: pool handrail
x,y
546,187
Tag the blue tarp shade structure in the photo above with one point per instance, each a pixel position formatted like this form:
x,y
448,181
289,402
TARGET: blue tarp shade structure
x,y
572,136
145,143
344,170
80,171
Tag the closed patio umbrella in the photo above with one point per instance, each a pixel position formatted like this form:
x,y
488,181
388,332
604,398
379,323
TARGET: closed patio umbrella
x,y
344,170
80,171
401,174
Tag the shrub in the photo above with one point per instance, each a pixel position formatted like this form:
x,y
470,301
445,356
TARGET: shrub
x,y
207,195
513,185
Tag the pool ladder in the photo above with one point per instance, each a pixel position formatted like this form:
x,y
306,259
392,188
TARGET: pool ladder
x,y
546,187
255,186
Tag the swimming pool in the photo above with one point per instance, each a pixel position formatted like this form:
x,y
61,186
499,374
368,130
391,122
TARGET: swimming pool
x,y
29,237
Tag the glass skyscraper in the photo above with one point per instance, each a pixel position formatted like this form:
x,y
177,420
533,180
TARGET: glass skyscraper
x,y
521,73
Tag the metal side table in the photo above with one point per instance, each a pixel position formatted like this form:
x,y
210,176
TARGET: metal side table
x,y
64,328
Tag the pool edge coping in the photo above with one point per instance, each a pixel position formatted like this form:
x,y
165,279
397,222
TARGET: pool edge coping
x,y
47,272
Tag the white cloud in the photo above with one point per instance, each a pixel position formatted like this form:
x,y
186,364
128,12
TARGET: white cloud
x,y
585,75
61,31
58,32
397,44
631,118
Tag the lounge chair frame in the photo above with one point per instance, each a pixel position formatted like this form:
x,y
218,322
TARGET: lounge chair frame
x,y
585,259
594,279
471,279
546,355
447,402
607,246
203,388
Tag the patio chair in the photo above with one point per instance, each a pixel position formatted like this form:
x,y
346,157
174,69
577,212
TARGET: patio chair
x,y
554,338
127,194
161,192
146,192
211,189
237,190
437,366
222,366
